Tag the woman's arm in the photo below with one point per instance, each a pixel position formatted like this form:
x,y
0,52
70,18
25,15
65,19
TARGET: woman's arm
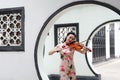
x,y
83,50
55,49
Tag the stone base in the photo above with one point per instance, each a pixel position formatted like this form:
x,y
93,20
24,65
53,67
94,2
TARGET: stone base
x,y
56,77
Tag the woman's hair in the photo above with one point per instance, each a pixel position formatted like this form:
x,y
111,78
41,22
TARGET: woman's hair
x,y
69,34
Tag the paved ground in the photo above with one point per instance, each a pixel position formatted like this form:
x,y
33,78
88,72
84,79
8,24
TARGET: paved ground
x,y
109,70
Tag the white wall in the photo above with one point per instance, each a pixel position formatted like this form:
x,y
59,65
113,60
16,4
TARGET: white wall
x,y
20,65
107,41
117,39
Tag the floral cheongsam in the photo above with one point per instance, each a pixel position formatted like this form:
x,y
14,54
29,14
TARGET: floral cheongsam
x,y
67,69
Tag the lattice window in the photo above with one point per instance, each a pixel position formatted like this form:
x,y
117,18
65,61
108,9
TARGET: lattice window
x,y
61,31
12,29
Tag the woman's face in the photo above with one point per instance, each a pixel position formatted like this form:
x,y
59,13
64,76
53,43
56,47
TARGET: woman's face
x,y
70,38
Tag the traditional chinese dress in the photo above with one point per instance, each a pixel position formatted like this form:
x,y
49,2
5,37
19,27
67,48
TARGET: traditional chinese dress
x,y
67,69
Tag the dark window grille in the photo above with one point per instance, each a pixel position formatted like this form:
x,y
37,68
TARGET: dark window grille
x,y
112,41
98,43
60,31
12,29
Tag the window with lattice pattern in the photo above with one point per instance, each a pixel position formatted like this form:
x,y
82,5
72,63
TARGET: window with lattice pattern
x,y
61,31
12,29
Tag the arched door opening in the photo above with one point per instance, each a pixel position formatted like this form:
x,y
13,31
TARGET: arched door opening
x,y
105,40
106,49
82,12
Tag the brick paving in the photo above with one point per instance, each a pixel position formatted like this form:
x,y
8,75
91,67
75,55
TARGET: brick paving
x,y
109,70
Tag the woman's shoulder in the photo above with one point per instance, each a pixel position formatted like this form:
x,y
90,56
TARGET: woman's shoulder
x,y
60,45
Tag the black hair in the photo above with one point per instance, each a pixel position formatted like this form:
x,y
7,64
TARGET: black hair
x,y
69,34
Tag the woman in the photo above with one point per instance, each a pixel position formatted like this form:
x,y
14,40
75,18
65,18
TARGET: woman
x,y
67,68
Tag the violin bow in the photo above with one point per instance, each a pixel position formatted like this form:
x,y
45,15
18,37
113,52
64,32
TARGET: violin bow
x,y
86,46
85,40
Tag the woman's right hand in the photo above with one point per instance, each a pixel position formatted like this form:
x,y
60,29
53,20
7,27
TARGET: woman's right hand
x,y
58,49
55,49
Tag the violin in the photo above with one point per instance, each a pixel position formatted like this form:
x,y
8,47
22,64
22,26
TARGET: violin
x,y
77,46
